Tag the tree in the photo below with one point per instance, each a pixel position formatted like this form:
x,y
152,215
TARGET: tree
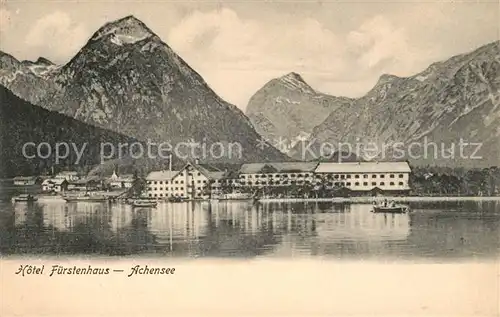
x,y
138,185
207,188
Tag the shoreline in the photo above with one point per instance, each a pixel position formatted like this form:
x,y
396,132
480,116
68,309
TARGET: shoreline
x,y
371,199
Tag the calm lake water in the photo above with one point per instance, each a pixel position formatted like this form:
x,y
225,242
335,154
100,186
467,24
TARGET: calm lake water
x,y
451,230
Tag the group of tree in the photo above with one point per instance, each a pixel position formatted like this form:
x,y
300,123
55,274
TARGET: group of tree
x,y
445,181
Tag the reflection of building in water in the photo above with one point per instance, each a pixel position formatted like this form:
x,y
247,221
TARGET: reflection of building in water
x,y
181,219
288,217
342,230
196,220
20,213
56,215
121,216
64,216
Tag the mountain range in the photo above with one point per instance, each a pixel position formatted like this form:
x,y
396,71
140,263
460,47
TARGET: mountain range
x,y
452,100
127,80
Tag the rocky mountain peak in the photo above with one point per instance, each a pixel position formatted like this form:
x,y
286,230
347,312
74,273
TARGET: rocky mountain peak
x,y
127,30
44,61
7,60
294,81
386,78
41,61
288,108
292,76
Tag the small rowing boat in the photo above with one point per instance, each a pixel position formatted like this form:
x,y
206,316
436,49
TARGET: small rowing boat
x,y
395,209
25,198
236,196
175,199
144,203
390,208
86,197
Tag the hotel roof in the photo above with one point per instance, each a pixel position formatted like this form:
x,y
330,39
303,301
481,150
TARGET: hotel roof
x,y
55,181
216,175
364,167
124,177
281,167
22,178
58,181
161,175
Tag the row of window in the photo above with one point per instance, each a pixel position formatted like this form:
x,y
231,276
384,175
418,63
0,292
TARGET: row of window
x,y
166,182
167,188
341,176
275,182
330,184
348,176
274,175
372,183
175,182
190,174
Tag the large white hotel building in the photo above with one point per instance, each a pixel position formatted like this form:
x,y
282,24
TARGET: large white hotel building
x,y
366,176
193,180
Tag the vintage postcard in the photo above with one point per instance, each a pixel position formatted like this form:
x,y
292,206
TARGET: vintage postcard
x,y
249,158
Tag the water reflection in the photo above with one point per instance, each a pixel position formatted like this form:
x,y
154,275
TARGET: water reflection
x,y
242,229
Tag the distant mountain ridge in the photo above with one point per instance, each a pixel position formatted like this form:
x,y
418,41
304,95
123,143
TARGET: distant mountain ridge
x,y
127,80
27,79
456,99
287,109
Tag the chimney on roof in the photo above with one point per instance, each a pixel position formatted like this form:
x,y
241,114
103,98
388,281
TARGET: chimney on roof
x,y
170,162
196,161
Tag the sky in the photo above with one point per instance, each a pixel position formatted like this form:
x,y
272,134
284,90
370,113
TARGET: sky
x,y
339,47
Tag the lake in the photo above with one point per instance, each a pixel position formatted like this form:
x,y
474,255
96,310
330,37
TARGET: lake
x,y
440,231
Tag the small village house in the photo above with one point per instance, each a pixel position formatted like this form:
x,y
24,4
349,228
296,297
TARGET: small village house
x,y
91,183
70,176
47,185
60,185
56,185
27,180
122,181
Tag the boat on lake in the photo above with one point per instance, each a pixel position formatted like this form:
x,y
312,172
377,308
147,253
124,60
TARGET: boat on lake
x,y
86,197
144,203
175,199
25,198
390,207
236,196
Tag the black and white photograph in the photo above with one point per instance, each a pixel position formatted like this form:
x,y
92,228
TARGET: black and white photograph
x,y
249,158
